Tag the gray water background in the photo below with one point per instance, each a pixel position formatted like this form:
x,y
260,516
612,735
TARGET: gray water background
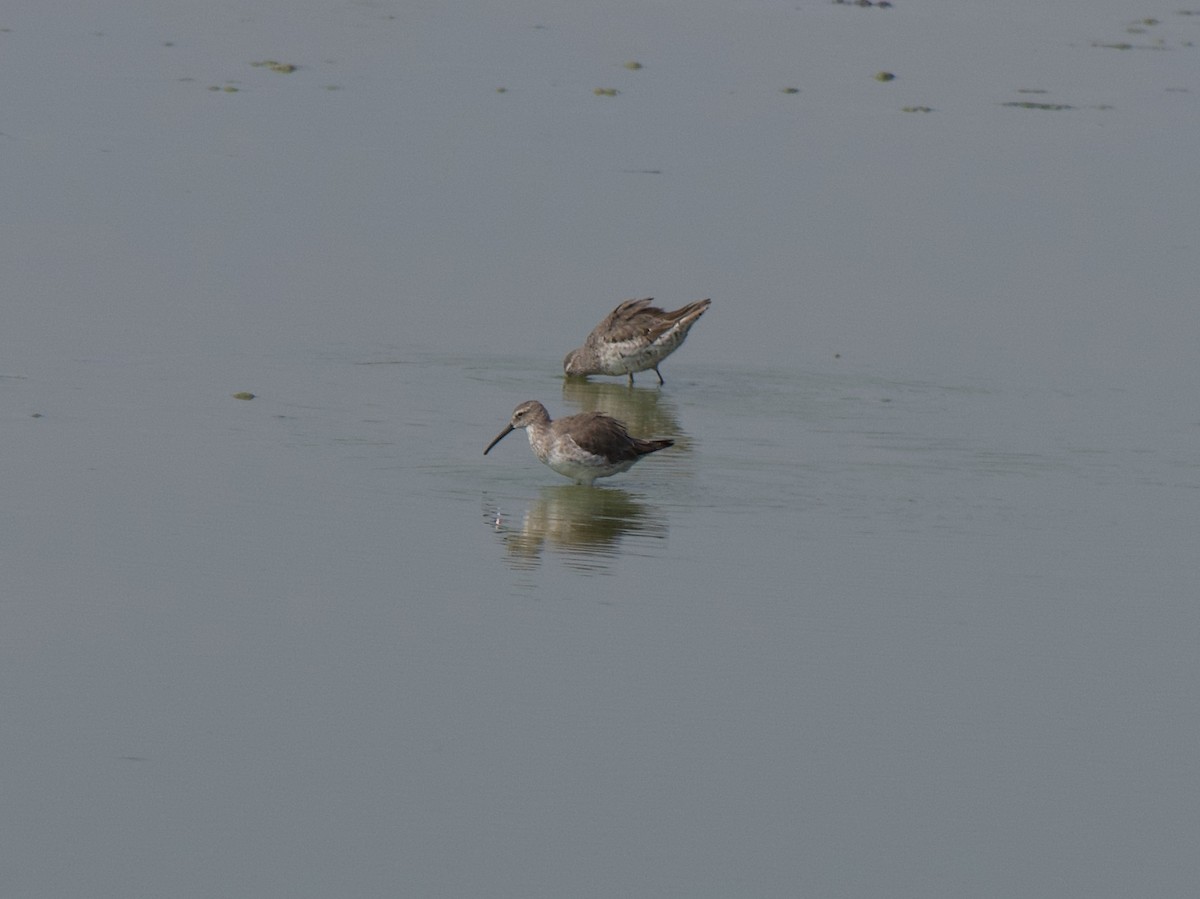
x,y
909,610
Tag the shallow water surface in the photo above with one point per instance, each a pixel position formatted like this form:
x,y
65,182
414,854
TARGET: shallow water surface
x,y
933,617
908,610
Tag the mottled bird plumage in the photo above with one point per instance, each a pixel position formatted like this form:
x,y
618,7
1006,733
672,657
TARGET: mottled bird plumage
x,y
582,447
633,337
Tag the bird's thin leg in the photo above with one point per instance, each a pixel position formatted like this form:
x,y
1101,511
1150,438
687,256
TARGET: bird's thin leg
x,y
660,380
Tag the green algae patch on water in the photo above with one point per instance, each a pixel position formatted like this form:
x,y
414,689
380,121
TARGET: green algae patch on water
x,y
243,395
1029,104
283,68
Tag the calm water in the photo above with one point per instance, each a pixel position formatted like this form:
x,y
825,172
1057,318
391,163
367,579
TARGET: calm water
x,y
908,610
850,628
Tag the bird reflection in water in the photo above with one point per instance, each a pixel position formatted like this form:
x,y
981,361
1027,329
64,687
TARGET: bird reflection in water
x,y
644,410
588,526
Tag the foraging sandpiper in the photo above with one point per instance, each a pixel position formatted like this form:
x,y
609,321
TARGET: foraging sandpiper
x,y
582,447
634,337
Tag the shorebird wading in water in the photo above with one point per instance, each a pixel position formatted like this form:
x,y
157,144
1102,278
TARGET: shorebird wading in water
x,y
582,447
634,337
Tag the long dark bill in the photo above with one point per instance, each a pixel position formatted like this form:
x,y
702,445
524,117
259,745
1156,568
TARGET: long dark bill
x,y
499,437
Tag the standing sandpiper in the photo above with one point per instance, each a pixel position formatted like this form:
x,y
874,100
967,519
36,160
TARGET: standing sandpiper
x,y
634,337
582,447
